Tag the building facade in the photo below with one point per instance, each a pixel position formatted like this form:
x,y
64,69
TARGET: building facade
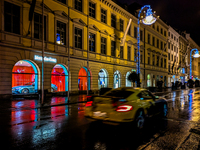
x,y
173,56
184,68
156,54
81,45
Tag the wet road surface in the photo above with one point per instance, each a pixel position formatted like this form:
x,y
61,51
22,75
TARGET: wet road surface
x,y
26,125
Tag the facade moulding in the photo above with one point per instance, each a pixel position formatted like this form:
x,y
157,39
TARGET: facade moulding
x,y
93,27
79,21
61,13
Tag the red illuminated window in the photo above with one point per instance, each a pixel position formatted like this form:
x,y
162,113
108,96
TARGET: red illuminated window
x,y
82,79
59,79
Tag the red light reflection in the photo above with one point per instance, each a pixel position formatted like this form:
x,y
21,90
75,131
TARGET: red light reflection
x,y
21,115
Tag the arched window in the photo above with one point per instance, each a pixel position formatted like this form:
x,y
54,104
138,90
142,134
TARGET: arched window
x,y
24,77
59,78
102,79
148,80
117,79
128,83
82,79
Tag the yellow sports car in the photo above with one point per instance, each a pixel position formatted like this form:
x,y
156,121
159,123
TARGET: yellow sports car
x,y
125,104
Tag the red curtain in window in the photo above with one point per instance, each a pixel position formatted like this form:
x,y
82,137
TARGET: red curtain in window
x,y
58,78
82,79
22,75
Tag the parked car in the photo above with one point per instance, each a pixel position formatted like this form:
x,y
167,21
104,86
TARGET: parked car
x,y
28,88
125,104
54,88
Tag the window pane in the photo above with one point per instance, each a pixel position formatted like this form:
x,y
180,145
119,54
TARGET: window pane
x,y
103,45
11,18
61,33
78,5
113,47
92,9
135,32
38,26
92,42
103,16
121,25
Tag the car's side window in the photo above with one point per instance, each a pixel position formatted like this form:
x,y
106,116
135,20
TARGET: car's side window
x,y
145,95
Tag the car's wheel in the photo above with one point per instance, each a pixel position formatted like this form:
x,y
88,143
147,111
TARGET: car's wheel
x,y
140,120
25,91
164,110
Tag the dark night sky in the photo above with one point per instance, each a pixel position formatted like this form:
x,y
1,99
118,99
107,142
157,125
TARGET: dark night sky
x,y
180,14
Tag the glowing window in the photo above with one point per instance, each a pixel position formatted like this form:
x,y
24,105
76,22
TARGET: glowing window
x,y
82,79
59,78
24,78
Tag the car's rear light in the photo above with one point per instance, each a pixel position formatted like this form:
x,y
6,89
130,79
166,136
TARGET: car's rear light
x,y
88,97
124,108
89,103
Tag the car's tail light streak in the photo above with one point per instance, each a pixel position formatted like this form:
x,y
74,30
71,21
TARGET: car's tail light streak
x,y
124,108
89,103
88,97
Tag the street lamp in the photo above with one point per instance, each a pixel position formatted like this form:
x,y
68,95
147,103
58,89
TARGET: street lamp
x,y
148,20
196,55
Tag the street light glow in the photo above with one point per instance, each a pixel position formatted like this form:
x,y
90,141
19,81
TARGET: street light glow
x,y
149,19
196,55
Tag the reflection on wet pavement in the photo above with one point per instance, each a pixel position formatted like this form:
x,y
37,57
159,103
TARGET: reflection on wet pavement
x,y
24,111
59,100
184,105
65,124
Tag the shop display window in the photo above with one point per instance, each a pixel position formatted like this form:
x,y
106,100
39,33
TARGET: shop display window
x,y
24,78
128,83
82,79
102,79
148,80
117,79
59,79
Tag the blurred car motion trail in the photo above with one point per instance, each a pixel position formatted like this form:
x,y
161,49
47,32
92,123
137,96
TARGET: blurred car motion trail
x,y
125,104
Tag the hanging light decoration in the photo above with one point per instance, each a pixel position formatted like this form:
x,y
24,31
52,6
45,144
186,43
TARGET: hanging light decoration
x,y
149,18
